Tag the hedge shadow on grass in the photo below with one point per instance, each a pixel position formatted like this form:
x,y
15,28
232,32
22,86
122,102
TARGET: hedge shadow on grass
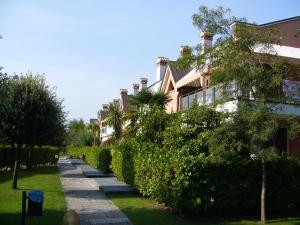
x,y
23,173
49,217
152,213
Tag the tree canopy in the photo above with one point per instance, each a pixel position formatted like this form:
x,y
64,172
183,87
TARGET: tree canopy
x,y
243,63
31,114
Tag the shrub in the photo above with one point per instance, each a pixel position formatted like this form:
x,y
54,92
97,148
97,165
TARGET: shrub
x,y
175,166
189,181
40,155
97,157
123,160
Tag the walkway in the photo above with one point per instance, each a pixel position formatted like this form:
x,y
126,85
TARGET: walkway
x,y
83,195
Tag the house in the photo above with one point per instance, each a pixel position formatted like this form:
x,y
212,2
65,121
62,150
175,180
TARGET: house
x,y
124,105
187,87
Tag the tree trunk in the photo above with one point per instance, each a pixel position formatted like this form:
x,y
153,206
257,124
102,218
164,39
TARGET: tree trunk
x,y
16,168
263,194
29,153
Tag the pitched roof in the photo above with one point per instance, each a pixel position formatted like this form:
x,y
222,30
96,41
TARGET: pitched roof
x,y
280,21
155,87
270,23
178,73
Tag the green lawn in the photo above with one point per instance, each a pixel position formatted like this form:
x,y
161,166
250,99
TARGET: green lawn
x,y
142,211
45,179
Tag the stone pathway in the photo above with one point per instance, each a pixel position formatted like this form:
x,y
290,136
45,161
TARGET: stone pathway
x,y
111,185
88,171
83,195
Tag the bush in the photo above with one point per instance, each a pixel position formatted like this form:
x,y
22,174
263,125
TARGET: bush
x,y
123,160
189,181
40,155
175,166
97,157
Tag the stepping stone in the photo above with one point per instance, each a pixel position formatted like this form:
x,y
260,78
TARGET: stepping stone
x,y
74,161
110,221
113,185
89,171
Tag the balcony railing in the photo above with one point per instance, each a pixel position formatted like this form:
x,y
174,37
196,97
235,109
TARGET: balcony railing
x,y
206,96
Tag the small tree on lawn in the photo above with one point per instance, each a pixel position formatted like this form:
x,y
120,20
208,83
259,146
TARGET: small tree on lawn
x,y
33,115
245,58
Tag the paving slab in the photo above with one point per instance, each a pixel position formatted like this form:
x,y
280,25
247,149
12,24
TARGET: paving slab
x,y
83,196
89,171
112,221
113,185
74,161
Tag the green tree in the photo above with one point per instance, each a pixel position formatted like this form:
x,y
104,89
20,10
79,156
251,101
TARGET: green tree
x,y
94,128
114,119
33,115
78,134
3,105
146,99
152,125
245,58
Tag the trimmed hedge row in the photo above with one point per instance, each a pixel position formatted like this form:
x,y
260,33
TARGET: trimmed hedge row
x,y
188,181
97,157
39,156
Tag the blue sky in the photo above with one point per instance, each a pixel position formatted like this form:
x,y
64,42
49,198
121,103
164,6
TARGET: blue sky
x,y
89,49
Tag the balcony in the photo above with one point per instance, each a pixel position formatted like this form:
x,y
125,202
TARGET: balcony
x,y
290,94
207,96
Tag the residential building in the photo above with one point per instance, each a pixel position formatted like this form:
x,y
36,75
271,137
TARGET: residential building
x,y
188,85
125,107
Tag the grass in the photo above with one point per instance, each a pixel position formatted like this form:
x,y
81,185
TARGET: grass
x,y
45,179
142,211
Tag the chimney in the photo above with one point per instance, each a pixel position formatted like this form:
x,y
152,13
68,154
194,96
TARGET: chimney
x,y
135,88
123,92
105,107
206,40
161,66
183,49
144,83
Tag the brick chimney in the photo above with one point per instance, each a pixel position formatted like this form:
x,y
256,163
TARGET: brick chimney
x,y
135,88
105,107
123,92
206,40
116,101
183,49
144,82
161,66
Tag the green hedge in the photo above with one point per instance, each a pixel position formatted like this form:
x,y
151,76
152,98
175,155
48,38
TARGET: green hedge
x,y
39,156
123,162
188,181
97,157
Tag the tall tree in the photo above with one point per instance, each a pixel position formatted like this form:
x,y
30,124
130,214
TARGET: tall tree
x,y
146,99
114,119
94,128
33,116
146,103
246,58
78,134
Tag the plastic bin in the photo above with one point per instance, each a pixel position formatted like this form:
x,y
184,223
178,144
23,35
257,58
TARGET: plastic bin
x,y
35,203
